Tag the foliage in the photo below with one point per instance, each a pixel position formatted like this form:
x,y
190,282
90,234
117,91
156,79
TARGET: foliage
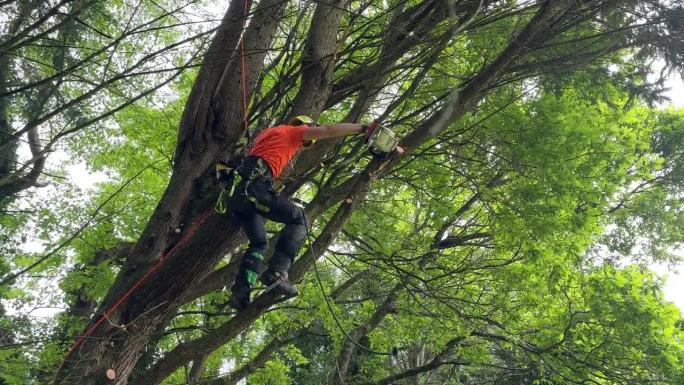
x,y
509,248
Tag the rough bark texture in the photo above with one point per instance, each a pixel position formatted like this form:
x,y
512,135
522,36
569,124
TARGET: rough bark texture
x,y
184,201
318,60
357,188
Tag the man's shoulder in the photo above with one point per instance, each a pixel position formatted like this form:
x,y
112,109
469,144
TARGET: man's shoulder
x,y
285,130
278,128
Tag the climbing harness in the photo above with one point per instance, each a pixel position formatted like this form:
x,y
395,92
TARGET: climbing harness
x,y
241,180
221,207
225,176
258,173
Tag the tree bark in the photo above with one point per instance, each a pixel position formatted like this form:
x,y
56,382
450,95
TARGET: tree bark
x,y
358,188
119,343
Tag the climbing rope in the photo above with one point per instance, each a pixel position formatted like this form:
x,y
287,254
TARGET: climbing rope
x,y
327,300
138,283
243,75
191,232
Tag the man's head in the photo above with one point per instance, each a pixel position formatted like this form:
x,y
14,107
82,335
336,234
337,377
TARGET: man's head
x,y
303,119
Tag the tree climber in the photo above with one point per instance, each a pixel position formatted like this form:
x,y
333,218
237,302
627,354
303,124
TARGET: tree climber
x,y
253,197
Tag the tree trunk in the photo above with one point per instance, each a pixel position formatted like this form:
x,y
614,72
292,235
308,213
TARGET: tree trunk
x,y
118,343
357,187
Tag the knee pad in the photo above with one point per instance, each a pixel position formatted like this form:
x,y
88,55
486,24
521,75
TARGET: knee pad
x,y
252,265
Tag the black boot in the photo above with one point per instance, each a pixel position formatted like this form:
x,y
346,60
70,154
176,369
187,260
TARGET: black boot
x,y
275,277
250,269
239,300
278,282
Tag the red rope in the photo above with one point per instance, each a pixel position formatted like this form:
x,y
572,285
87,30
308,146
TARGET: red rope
x,y
140,281
243,75
191,231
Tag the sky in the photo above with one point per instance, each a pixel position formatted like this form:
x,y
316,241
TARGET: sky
x,y
676,92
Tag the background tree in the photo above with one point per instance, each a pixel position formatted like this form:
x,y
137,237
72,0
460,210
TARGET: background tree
x,y
67,65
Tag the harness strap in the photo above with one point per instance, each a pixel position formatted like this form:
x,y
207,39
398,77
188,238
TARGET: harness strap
x,y
220,206
261,170
258,205
228,179
247,173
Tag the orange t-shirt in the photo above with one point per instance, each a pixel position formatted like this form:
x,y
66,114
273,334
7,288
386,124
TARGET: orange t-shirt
x,y
277,145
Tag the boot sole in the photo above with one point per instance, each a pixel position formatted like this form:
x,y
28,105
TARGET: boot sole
x,y
281,289
237,305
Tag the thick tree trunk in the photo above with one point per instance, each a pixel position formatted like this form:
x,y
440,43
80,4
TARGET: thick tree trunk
x,y
226,332
118,343
318,60
357,187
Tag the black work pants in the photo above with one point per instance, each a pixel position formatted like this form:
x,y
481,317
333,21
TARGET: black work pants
x,y
279,209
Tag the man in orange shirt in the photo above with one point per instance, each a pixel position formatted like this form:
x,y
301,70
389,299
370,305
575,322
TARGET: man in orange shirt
x,y
255,199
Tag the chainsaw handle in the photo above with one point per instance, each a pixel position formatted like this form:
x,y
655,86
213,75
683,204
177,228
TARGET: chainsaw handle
x,y
369,129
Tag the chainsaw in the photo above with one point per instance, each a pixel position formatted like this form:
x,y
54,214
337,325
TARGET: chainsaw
x,y
381,140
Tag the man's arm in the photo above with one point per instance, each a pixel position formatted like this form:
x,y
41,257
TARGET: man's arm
x,y
332,130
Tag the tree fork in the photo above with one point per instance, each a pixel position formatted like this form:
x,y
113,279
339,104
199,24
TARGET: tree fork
x,y
469,95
